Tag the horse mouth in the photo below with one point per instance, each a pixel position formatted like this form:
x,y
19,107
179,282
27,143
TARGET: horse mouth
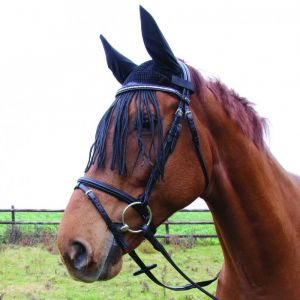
x,y
112,265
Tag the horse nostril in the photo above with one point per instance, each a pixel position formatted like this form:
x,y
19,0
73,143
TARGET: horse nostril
x,y
79,255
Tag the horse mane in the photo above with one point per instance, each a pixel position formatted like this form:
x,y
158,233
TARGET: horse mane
x,y
236,107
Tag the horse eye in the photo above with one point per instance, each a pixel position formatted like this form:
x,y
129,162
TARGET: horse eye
x,y
146,124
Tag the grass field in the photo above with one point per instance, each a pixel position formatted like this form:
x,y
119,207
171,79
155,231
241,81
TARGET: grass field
x,y
55,217
31,216
35,273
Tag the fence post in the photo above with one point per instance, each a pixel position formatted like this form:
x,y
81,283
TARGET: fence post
x,y
13,216
167,231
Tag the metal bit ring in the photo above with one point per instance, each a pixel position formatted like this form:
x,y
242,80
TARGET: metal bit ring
x,y
126,227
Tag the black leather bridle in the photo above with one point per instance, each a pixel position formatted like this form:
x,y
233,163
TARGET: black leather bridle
x,y
140,204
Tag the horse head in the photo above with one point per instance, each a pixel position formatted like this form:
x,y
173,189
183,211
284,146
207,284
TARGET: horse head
x,y
145,152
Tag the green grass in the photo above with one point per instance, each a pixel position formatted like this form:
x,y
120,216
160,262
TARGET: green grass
x,y
34,273
190,229
31,216
174,229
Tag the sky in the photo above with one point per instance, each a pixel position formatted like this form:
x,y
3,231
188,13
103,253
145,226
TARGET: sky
x,y
55,85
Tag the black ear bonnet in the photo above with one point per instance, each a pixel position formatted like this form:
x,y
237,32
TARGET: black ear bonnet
x,y
163,70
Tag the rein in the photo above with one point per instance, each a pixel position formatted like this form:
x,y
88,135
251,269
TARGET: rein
x,y
140,204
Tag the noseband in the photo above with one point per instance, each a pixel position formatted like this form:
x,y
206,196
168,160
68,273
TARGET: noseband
x,y
140,204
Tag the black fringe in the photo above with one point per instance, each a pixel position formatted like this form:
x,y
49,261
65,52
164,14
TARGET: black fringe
x,y
117,117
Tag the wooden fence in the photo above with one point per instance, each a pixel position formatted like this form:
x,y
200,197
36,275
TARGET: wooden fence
x,y
13,212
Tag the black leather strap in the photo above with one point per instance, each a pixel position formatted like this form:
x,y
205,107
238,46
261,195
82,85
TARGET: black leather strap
x,y
100,185
113,191
112,227
159,247
147,271
197,146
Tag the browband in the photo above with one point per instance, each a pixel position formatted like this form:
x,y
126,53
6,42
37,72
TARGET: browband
x,y
138,86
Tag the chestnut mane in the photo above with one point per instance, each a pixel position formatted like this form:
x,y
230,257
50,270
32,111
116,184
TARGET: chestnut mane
x,y
236,107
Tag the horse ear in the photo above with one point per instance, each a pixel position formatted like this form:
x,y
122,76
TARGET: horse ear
x,y
117,63
156,44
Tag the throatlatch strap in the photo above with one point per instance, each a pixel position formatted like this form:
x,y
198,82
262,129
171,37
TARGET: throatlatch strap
x,y
196,142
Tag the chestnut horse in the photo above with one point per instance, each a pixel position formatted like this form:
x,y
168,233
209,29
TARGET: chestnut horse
x,y
255,203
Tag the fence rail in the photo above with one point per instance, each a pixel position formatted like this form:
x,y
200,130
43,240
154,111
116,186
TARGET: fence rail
x,y
13,212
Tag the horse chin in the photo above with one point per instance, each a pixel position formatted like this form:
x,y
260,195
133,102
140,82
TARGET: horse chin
x,y
112,265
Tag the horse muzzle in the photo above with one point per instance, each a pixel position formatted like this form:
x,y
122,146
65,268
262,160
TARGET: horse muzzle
x,y
84,266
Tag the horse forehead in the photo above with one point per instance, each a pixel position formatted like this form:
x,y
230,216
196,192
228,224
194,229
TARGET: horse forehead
x,y
167,104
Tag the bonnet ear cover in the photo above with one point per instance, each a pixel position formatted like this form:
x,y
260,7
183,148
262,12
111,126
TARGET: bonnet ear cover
x,y
156,44
120,66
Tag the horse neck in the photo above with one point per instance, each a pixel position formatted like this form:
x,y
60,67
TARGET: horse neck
x,y
252,200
